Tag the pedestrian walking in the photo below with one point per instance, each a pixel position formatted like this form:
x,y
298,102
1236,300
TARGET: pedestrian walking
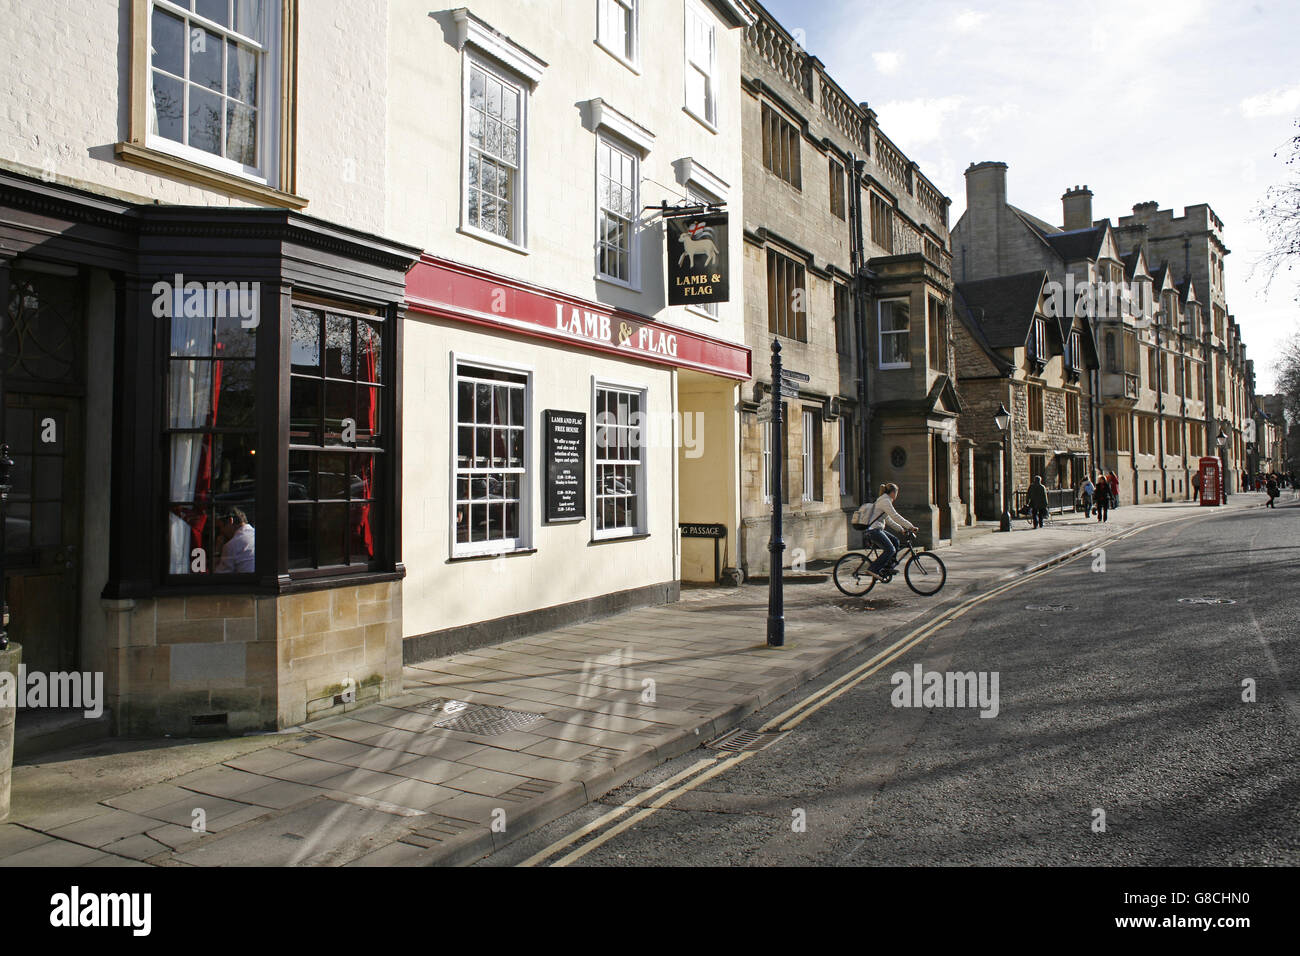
x,y
1272,491
1038,501
1103,498
1086,491
1113,480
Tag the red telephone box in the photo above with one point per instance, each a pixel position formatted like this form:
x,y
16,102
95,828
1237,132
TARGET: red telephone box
x,y
1211,481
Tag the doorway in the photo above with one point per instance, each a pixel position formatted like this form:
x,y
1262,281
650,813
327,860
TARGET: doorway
x,y
988,489
44,396
942,481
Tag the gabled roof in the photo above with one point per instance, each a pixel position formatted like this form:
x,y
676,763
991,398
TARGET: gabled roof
x,y
1131,263
1078,243
1069,246
1186,291
1160,278
999,311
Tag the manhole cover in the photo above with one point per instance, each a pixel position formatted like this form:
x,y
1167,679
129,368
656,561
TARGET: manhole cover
x,y
1054,608
1205,600
479,719
739,740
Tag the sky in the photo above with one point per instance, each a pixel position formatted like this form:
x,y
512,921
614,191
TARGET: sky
x,y
1177,101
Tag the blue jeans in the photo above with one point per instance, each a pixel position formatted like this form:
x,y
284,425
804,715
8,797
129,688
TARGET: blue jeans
x,y
888,548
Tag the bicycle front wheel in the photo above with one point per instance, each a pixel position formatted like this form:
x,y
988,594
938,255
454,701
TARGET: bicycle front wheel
x,y
925,573
851,575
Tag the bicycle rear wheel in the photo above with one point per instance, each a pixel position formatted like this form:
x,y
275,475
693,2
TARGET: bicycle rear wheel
x,y
925,573
851,575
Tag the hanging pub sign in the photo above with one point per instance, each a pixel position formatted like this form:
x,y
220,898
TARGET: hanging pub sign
x,y
566,464
697,259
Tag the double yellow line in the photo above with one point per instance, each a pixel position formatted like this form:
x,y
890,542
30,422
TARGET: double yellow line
x,y
662,795
656,798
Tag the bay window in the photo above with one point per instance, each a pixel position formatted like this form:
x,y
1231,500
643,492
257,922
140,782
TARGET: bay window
x,y
895,330
337,437
210,428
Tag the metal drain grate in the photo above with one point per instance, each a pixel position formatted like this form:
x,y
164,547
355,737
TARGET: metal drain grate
x,y
740,740
479,719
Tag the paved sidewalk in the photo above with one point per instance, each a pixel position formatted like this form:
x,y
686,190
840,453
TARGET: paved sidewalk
x,y
584,709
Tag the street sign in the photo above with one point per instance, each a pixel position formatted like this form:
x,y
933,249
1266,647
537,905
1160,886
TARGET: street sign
x,y
765,410
797,376
789,391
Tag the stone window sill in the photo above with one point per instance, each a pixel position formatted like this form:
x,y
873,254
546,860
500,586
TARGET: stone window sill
x,y
199,175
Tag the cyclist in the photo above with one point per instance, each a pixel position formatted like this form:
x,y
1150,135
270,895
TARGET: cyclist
x,y
874,521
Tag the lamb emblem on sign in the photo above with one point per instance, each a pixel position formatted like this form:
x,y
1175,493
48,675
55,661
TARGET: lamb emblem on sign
x,y
697,240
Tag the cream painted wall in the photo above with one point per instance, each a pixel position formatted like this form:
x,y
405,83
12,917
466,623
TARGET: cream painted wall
x,y
709,472
65,87
567,566
425,136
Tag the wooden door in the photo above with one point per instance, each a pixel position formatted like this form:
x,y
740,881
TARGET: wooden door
x,y
44,407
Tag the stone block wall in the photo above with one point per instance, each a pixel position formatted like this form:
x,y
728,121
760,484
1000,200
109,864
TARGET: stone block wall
x,y
218,664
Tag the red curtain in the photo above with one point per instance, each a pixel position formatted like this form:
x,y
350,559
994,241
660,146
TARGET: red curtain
x,y
203,484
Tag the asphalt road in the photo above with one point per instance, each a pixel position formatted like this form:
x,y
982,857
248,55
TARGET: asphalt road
x,y
1120,703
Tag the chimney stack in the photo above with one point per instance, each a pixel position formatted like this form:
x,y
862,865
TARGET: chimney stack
x,y
1077,208
986,185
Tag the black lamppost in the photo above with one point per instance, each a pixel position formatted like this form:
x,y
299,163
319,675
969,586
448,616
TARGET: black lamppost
x,y
6,467
1003,420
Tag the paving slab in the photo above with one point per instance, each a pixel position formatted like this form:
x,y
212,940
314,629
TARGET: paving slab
x,y
104,828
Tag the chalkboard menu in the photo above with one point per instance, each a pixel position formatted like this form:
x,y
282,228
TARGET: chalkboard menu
x,y
566,464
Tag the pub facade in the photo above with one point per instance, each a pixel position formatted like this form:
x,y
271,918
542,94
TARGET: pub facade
x,y
288,409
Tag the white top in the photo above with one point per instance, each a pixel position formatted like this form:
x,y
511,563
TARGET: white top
x,y
237,555
883,512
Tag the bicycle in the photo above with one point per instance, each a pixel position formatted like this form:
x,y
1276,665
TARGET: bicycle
x,y
924,571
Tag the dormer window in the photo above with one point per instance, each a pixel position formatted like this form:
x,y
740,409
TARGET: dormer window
x,y
1074,360
1038,342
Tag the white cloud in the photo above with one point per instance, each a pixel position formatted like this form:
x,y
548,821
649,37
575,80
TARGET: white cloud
x,y
910,123
968,20
888,61
1280,102
983,118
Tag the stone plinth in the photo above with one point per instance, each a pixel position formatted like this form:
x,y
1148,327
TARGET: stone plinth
x,y
9,659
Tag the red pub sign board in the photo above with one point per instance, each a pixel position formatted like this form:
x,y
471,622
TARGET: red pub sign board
x,y
451,290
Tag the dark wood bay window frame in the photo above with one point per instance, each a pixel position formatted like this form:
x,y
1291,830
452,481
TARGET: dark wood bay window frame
x,y
295,260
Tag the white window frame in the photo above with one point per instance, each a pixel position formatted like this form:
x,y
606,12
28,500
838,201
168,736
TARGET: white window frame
x,y
632,38
633,280
1038,336
520,200
881,333
642,465
809,486
265,171
527,474
694,11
